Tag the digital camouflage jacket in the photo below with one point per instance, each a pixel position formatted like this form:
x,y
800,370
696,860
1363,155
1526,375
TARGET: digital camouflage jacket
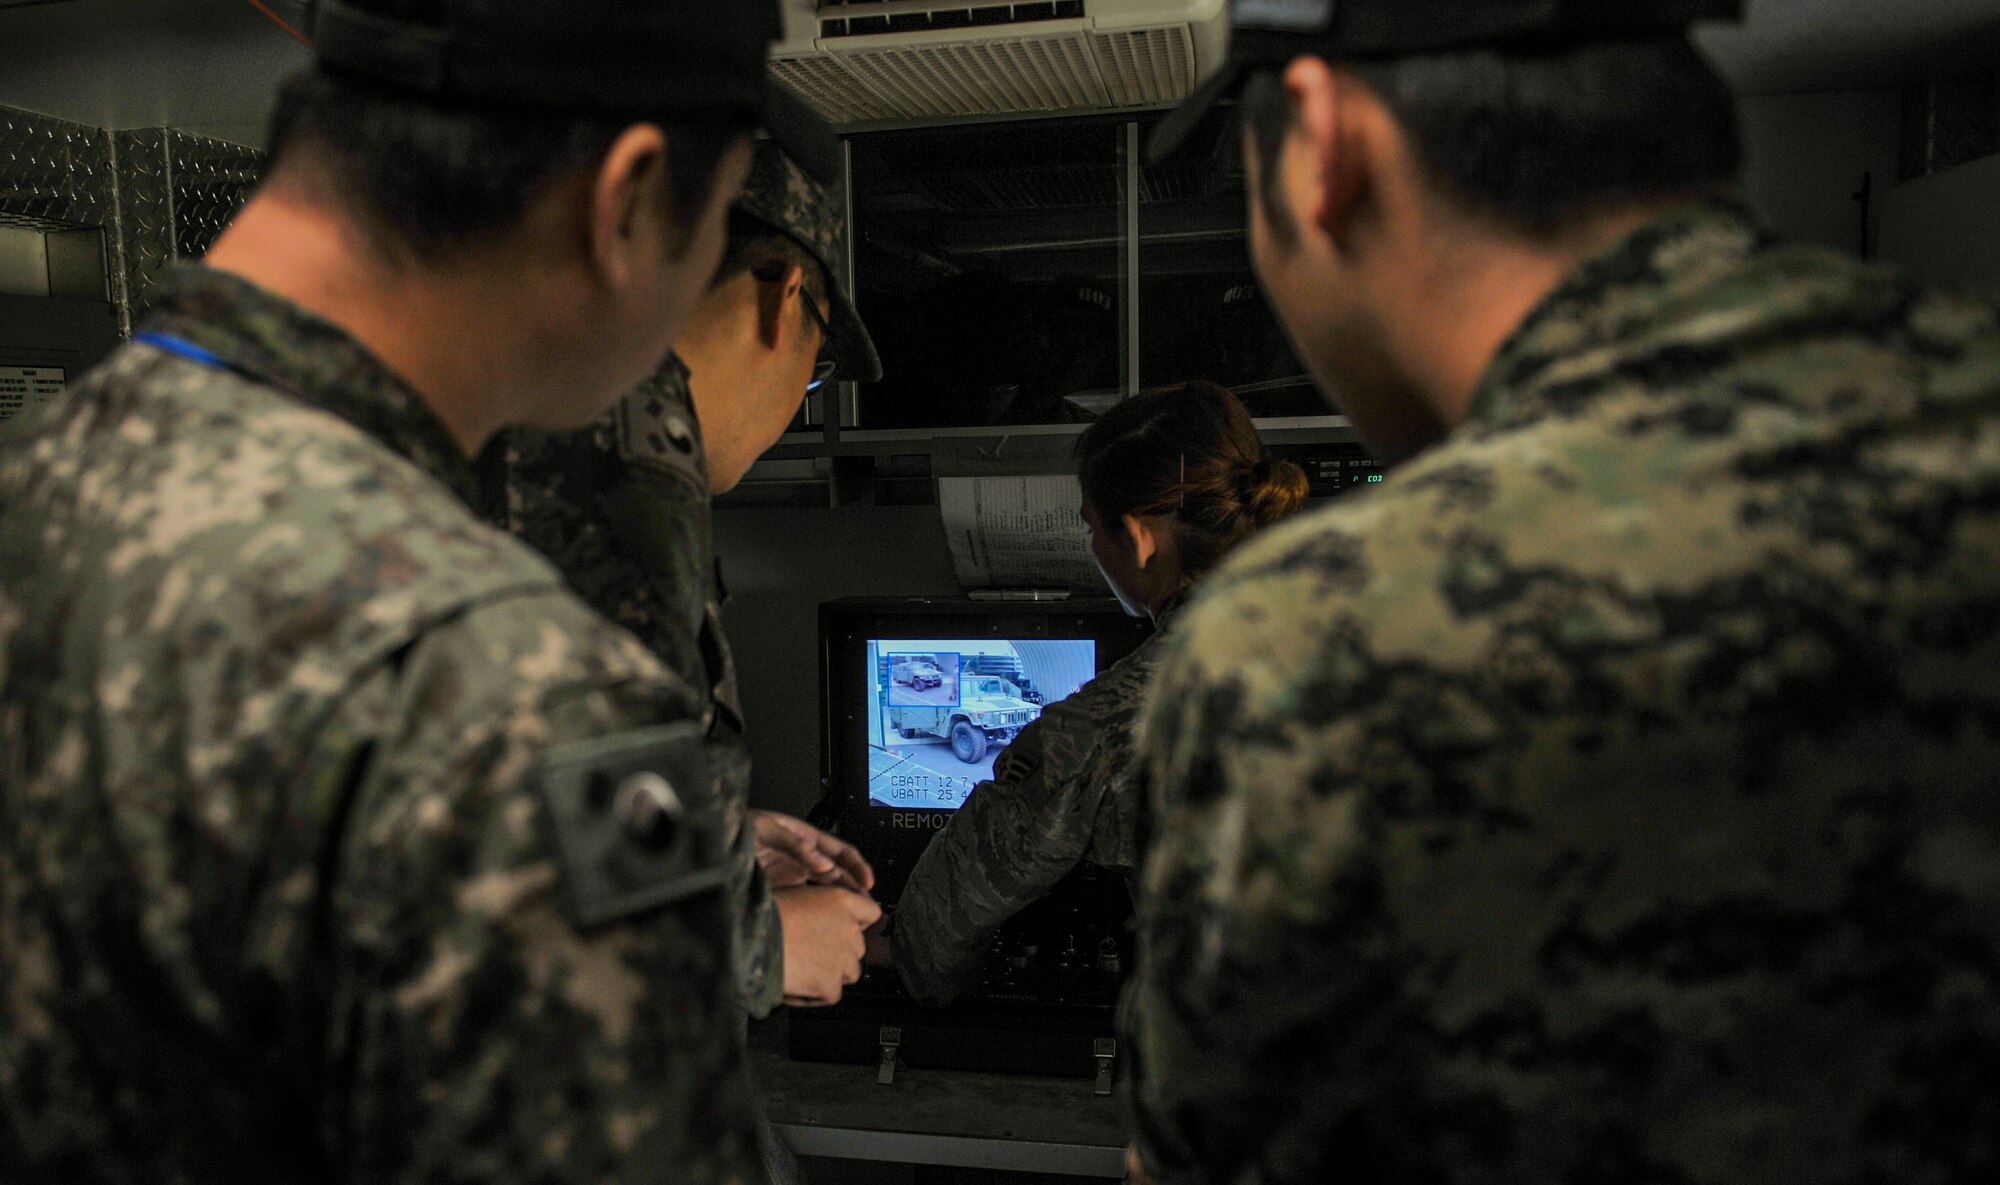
x,y
1065,791
1609,795
277,900
622,509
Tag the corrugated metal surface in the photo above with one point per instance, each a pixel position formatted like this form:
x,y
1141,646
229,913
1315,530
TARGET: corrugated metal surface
x,y
1058,668
1021,74
1147,65
830,89
988,74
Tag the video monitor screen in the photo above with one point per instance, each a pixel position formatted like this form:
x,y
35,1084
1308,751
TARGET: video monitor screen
x,y
942,711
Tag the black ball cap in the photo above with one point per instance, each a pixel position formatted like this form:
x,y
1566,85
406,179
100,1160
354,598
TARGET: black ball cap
x,y
1265,33
642,59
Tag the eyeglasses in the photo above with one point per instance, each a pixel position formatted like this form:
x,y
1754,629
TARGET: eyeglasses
x,y
823,368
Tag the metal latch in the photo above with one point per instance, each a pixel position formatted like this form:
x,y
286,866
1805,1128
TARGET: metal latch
x,y
1106,1050
891,1037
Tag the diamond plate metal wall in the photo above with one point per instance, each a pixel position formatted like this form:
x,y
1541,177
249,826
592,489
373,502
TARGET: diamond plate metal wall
x,y
159,195
57,175
211,180
176,192
146,202
53,172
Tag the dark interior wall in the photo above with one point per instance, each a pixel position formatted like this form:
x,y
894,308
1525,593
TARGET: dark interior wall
x,y
779,565
1805,156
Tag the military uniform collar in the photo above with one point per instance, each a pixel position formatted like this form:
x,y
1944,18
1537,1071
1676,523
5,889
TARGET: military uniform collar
x,y
1614,310
270,340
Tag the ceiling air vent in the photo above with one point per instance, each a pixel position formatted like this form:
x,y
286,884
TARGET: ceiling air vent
x,y
887,60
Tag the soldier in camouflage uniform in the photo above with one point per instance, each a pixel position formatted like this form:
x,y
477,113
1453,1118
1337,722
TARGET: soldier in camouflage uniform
x,y
623,510
1172,480
1608,795
338,838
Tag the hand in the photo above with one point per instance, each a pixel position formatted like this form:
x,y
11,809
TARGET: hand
x,y
1135,1169
823,944
794,852
879,952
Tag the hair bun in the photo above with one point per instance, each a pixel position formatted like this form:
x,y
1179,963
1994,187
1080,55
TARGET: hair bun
x,y
1273,489
1251,476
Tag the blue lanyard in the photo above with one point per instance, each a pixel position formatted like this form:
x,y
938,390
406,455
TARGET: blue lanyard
x,y
182,347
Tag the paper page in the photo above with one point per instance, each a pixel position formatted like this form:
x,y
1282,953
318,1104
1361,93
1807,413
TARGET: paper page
x,y
23,387
1017,532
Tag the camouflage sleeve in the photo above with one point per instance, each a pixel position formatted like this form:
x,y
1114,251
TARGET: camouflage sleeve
x,y
1460,872
630,534
759,940
1227,983
481,1033
760,944
1014,838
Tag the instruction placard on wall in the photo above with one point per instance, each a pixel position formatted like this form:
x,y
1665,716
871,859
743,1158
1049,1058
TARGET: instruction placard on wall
x,y
23,387
1017,532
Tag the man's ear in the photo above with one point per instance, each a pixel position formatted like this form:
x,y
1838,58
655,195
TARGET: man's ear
x,y
1340,125
776,300
1145,544
628,206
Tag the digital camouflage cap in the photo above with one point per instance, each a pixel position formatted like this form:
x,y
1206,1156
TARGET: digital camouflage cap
x,y
780,193
1273,32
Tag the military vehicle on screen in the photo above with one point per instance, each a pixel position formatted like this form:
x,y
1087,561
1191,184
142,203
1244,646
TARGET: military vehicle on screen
x,y
990,711
917,673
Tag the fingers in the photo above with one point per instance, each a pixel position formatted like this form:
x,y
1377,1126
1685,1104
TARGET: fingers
x,y
1135,1169
801,841
864,910
878,952
824,939
781,870
853,865
795,837
837,878
785,841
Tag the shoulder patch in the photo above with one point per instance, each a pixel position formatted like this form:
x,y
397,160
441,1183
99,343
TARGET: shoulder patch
x,y
631,823
661,433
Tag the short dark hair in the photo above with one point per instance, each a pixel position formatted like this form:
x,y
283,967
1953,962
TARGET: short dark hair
x,y
1190,452
1536,140
431,177
755,244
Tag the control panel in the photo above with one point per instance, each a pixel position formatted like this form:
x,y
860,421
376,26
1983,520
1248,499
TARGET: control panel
x,y
1331,469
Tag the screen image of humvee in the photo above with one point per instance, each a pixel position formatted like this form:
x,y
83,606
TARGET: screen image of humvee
x,y
990,711
917,673
920,678
933,745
